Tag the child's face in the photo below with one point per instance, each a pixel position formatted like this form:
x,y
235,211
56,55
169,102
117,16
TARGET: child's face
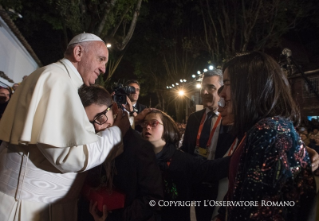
x,y
96,113
153,128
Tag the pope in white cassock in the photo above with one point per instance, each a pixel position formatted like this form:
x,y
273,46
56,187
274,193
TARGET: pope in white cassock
x,y
48,138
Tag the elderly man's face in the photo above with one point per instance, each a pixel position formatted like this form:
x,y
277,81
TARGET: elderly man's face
x,y
93,61
210,86
4,95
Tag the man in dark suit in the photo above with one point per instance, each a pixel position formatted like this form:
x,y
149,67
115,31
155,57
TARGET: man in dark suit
x,y
137,107
207,138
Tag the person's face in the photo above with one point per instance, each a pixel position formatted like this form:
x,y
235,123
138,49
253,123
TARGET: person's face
x,y
315,131
93,61
134,97
4,95
93,111
226,111
153,134
210,86
303,137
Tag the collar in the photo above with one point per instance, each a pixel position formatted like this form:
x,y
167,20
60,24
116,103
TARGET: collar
x,y
208,110
73,72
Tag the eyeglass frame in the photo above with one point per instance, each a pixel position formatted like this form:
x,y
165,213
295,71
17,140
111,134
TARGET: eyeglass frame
x,y
102,113
157,123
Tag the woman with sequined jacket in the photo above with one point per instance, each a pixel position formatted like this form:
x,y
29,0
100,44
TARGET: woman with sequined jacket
x,y
179,170
270,171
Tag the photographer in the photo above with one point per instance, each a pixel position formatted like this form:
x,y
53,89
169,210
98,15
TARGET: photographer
x,y
137,107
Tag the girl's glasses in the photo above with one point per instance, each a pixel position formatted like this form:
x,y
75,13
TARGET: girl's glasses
x,y
151,123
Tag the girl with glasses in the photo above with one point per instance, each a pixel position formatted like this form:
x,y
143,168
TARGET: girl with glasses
x,y
180,171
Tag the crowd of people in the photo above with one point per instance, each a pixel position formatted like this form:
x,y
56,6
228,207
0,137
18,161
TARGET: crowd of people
x,y
240,158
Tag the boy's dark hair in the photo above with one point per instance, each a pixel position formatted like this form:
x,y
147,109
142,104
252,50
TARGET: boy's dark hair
x,y
94,94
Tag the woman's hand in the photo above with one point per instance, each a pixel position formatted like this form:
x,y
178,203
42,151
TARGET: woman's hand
x,y
314,157
140,117
94,212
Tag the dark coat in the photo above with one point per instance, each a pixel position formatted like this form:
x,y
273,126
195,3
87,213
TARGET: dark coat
x,y
139,107
180,172
139,177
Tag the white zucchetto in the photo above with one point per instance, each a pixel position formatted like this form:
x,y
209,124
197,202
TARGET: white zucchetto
x,y
84,37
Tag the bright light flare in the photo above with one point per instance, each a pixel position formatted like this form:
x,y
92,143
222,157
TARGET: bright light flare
x,y
198,85
181,93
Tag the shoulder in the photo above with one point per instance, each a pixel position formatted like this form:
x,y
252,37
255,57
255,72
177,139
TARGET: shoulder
x,y
272,126
273,132
197,115
133,141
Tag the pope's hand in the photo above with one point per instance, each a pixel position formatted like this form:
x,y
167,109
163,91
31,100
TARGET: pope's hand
x,y
122,121
140,117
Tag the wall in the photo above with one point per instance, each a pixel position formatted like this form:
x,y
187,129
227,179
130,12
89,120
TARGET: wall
x,y
15,60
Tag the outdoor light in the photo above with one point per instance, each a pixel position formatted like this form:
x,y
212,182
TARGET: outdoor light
x,y
198,72
108,45
184,80
193,76
177,83
173,85
205,70
181,93
181,80
211,67
198,85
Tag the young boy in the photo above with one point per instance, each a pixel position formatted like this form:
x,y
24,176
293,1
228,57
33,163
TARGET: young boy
x,y
138,175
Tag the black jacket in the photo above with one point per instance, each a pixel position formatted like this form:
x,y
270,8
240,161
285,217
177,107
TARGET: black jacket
x,y
139,177
180,172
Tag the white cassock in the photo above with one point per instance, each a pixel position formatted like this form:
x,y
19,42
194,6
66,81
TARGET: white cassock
x,y
48,141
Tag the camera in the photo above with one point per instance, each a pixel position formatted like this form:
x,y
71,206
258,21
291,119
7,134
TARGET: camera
x,y
121,92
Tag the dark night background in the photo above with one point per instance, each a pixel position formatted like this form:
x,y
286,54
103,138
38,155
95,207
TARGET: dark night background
x,y
159,25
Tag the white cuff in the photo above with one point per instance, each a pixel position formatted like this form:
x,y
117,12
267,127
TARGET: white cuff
x,y
99,150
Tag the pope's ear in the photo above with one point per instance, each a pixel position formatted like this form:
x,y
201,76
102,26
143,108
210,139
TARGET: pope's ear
x,y
78,52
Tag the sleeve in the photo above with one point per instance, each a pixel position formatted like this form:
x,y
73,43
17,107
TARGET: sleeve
x,y
150,187
263,171
209,170
82,157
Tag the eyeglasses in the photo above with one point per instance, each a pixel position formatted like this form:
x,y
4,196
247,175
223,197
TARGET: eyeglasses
x,y
152,123
101,118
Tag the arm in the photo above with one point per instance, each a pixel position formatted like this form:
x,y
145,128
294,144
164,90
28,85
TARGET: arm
x,y
82,157
209,170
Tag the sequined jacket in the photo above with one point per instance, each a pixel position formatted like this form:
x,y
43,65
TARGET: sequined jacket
x,y
274,173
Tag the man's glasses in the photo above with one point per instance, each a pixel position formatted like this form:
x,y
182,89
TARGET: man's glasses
x,y
101,118
152,123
